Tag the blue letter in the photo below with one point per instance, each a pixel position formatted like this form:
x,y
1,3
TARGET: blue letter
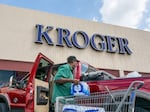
x,y
44,34
110,44
123,46
85,37
63,34
101,45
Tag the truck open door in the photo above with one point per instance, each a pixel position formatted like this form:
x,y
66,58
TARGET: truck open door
x,y
37,92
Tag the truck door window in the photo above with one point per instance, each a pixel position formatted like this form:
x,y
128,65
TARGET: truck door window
x,y
43,70
5,76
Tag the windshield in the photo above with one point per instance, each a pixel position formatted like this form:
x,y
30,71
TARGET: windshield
x,y
85,68
89,73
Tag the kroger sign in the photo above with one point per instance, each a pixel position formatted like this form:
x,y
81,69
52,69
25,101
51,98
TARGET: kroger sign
x,y
97,41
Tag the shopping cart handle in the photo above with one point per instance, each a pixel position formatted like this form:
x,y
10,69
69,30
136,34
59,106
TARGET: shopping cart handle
x,y
137,84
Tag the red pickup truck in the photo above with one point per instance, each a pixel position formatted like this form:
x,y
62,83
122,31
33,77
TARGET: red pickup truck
x,y
32,93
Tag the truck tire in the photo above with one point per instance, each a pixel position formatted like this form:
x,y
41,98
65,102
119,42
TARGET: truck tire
x,y
3,107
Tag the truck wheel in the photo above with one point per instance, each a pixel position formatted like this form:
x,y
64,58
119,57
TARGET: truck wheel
x,y
3,107
139,109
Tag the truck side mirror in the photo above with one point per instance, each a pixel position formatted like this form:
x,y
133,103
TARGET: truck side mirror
x,y
10,81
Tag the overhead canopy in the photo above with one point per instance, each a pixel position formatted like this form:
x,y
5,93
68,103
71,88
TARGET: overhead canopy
x,y
15,65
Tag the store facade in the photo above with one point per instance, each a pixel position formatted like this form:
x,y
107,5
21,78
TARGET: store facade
x,y
25,33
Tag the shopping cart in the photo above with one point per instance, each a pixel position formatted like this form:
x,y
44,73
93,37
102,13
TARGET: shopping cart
x,y
107,101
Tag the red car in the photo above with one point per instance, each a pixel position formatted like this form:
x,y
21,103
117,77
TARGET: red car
x,y
32,93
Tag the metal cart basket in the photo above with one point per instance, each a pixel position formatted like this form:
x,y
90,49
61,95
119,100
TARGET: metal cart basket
x,y
107,101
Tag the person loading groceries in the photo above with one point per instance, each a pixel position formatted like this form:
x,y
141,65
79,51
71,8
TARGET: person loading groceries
x,y
63,79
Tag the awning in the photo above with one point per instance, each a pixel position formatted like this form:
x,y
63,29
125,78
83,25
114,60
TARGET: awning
x,y
15,65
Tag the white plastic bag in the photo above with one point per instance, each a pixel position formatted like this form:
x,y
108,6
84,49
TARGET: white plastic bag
x,y
76,108
81,89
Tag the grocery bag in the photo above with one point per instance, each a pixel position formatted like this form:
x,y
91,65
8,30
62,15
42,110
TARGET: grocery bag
x,y
76,108
81,89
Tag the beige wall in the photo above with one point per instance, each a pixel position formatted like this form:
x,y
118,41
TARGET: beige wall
x,y
18,34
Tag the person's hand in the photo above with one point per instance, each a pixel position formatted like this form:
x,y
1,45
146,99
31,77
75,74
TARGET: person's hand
x,y
75,81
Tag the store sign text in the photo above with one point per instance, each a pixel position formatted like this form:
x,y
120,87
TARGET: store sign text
x,y
106,43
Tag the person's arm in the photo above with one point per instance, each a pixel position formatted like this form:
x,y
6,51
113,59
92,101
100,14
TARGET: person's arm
x,y
65,80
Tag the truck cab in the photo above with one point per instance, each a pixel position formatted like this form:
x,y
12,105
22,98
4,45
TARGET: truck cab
x,y
30,93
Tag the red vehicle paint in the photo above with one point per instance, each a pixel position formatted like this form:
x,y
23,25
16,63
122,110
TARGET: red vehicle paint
x,y
32,92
